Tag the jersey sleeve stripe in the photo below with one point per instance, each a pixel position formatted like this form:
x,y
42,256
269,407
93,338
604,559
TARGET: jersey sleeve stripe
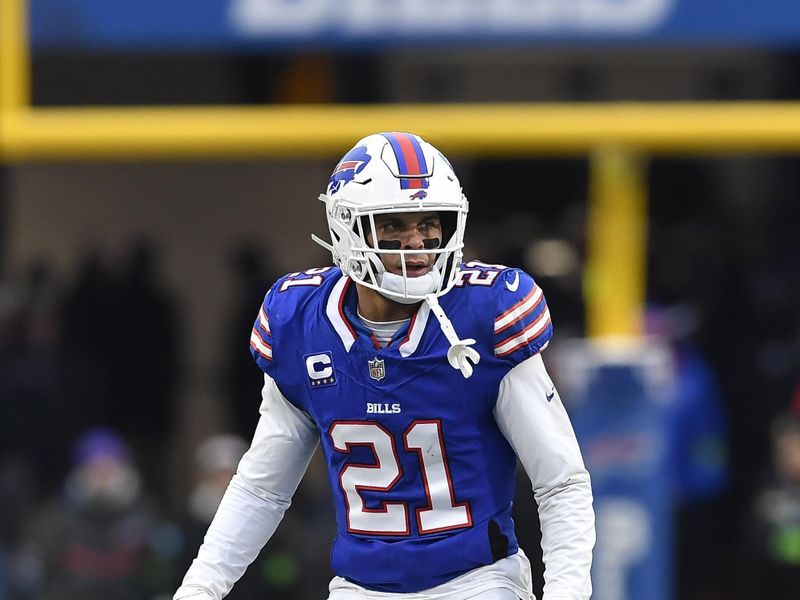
x,y
500,321
528,304
263,320
527,335
259,345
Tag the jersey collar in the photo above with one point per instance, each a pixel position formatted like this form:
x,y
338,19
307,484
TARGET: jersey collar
x,y
336,310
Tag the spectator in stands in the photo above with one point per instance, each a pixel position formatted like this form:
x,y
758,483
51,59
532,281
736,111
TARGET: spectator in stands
x,y
294,566
93,540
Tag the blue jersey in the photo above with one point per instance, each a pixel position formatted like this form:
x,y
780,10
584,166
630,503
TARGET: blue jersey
x,y
422,477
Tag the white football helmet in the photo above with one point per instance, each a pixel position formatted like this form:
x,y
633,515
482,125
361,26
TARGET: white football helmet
x,y
394,173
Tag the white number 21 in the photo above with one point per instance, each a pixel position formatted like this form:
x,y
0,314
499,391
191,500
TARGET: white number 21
x,y
423,437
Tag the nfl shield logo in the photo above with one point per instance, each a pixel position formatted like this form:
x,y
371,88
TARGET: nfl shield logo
x,y
376,369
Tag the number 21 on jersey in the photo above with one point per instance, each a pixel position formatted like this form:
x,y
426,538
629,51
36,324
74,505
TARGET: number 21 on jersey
x,y
423,437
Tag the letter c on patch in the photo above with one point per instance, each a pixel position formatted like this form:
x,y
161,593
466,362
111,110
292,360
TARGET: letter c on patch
x,y
319,366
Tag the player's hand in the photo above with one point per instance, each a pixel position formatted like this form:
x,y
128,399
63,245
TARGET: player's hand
x,y
460,354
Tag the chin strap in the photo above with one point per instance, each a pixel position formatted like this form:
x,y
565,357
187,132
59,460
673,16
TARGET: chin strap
x,y
408,290
460,354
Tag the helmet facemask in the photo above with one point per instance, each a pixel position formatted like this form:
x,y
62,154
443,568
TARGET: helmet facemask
x,y
358,252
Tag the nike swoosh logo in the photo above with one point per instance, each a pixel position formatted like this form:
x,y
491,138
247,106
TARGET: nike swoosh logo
x,y
551,395
512,287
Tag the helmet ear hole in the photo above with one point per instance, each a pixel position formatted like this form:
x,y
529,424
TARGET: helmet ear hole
x,y
356,268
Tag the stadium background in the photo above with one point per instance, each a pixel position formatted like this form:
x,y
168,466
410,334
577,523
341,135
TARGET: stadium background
x,y
160,170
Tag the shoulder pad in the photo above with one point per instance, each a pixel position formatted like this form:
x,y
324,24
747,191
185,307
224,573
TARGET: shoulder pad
x,y
304,280
280,304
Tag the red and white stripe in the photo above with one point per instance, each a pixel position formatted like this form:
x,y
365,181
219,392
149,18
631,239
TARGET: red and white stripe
x,y
415,330
258,344
530,333
263,320
519,311
334,309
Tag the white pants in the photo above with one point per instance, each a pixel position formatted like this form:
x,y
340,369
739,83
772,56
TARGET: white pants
x,y
507,579
499,594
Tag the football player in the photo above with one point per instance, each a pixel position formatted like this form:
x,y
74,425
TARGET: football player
x,y
420,428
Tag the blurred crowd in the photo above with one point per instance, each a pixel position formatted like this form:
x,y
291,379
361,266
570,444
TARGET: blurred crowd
x,y
101,350
88,379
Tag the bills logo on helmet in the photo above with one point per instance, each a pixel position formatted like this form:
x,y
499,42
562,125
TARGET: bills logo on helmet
x,y
351,165
420,195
